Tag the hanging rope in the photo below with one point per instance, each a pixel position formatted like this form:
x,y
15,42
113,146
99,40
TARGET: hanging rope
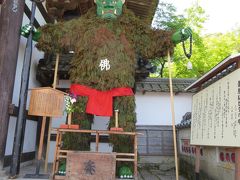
x,y
188,55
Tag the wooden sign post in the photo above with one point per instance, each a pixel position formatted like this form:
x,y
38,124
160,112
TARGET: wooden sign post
x,y
46,102
50,120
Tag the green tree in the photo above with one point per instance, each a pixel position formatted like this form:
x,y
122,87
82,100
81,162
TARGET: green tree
x,y
166,18
208,50
214,48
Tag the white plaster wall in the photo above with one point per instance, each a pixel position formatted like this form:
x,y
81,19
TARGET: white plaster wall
x,y
31,126
153,108
102,147
10,136
51,151
100,122
29,136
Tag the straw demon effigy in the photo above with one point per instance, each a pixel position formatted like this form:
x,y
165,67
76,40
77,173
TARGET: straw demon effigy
x,y
105,46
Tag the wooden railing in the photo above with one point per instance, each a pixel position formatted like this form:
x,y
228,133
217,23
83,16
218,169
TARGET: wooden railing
x,y
60,153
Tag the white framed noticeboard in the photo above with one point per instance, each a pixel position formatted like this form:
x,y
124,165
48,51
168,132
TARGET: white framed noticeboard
x,y
216,113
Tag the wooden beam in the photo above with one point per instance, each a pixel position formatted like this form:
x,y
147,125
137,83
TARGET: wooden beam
x,y
238,63
44,13
14,110
27,11
215,70
11,21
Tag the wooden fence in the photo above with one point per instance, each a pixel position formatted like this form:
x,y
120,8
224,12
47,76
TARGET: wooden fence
x,y
156,141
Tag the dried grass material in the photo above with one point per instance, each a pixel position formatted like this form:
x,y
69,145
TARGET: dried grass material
x,y
94,39
71,33
102,35
46,102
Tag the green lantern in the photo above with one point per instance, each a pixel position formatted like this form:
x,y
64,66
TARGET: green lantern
x,y
181,35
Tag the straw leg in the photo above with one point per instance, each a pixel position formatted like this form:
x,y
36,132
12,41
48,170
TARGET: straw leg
x,y
173,116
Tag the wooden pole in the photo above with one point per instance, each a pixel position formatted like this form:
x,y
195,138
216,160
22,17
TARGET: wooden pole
x,y
11,15
55,154
135,156
116,118
70,118
48,146
173,115
40,148
59,147
56,71
197,162
237,164
50,121
97,142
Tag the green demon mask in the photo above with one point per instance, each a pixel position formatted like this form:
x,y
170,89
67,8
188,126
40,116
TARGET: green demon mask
x,y
109,9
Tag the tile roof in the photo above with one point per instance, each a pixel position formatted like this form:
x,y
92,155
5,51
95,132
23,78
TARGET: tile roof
x,y
162,85
185,122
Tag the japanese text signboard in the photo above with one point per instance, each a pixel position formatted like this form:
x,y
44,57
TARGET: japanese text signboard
x,y
216,113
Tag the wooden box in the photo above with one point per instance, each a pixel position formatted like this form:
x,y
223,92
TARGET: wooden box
x,y
46,102
90,166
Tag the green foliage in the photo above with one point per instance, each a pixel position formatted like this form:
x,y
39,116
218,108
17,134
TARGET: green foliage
x,y
207,54
208,50
166,17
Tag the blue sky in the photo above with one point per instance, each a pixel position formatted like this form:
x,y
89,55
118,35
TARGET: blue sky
x,y
223,15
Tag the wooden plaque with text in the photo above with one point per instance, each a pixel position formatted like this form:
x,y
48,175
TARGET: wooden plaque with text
x,y
90,166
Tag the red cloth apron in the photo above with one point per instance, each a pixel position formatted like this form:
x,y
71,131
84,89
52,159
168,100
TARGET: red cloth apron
x,y
99,102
